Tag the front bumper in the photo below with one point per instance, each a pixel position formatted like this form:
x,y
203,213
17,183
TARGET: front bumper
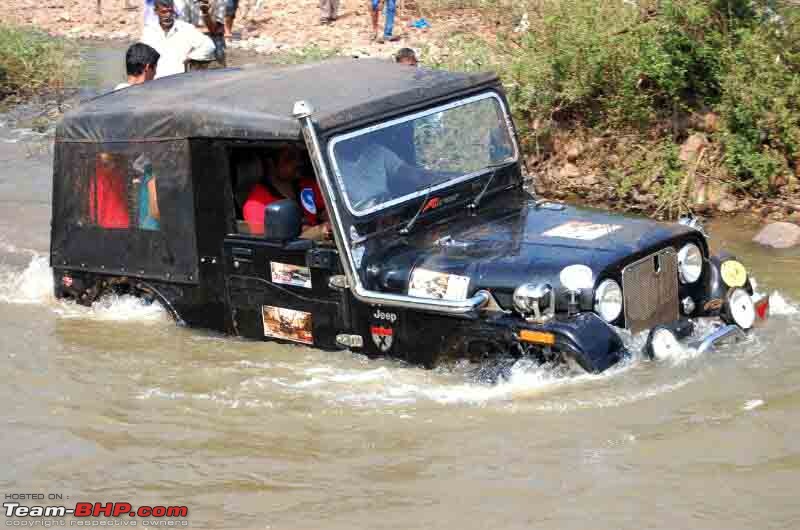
x,y
596,346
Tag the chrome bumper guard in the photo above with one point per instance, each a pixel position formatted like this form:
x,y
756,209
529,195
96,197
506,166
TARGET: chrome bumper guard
x,y
709,341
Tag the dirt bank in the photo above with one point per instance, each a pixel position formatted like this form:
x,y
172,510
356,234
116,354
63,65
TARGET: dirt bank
x,y
269,27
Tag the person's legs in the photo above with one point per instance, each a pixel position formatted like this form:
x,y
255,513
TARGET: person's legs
x,y
334,10
324,11
231,7
374,12
391,8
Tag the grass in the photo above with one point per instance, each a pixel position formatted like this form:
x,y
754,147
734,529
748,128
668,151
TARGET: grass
x,y
32,62
646,69
310,53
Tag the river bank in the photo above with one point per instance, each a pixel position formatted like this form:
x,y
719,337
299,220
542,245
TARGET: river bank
x,y
274,27
646,113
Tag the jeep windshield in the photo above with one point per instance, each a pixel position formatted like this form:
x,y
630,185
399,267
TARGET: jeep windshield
x,y
393,162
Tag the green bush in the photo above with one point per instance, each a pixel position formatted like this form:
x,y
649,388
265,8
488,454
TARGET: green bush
x,y
618,65
31,61
760,106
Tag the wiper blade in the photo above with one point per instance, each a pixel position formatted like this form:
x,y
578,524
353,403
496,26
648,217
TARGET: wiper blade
x,y
472,206
407,228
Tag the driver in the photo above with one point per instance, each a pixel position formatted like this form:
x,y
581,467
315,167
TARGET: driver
x,y
285,181
367,168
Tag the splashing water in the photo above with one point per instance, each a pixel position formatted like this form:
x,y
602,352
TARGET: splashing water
x,y
34,286
779,306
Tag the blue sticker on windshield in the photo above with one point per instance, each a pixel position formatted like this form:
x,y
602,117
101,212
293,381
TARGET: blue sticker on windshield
x,y
307,200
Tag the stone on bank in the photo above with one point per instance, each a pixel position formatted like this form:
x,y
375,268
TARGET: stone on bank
x,y
779,235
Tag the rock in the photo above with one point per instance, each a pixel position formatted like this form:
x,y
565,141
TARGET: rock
x,y
794,218
728,206
778,181
574,151
779,235
648,183
692,147
711,122
710,192
570,171
590,180
641,198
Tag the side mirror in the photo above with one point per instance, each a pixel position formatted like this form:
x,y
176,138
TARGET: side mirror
x,y
282,221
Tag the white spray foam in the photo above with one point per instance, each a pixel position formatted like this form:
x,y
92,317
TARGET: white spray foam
x,y
34,286
779,306
400,386
753,404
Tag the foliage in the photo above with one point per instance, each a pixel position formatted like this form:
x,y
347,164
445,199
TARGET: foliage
x,y
644,65
310,53
31,61
761,106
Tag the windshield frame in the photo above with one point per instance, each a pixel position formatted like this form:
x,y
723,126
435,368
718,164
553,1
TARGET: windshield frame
x,y
410,117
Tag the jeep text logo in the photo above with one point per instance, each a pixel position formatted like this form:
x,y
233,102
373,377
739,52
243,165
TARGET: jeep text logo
x,y
389,317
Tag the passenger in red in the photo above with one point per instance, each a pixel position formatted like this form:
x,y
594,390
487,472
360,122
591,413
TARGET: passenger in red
x,y
284,181
108,197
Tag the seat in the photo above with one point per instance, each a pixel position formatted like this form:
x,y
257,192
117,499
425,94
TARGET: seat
x,y
249,172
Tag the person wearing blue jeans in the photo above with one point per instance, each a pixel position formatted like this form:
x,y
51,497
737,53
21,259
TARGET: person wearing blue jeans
x,y
375,10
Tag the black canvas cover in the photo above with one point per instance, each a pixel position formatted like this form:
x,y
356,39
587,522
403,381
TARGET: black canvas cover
x,y
256,102
126,209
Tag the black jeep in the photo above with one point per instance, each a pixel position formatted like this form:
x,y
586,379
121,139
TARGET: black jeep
x,y
437,246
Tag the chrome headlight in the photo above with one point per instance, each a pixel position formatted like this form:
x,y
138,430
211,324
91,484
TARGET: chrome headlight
x,y
532,298
608,300
690,263
741,308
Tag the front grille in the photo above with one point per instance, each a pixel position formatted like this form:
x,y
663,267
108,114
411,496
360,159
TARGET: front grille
x,y
650,291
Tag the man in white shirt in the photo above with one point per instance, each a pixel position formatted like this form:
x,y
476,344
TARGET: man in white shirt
x,y
209,17
176,41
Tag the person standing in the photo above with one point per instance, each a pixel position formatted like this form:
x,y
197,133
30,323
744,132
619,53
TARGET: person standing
x,y
150,13
328,11
208,16
141,63
388,27
176,41
231,6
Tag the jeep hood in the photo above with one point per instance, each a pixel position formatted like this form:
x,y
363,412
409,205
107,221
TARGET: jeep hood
x,y
513,242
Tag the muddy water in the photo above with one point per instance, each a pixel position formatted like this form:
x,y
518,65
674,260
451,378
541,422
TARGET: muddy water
x,y
114,403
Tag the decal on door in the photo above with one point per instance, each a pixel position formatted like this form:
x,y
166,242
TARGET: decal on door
x,y
438,285
287,324
288,274
583,230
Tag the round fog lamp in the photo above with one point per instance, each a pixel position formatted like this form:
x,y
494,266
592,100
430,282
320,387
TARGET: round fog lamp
x,y
662,344
740,308
608,300
690,263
